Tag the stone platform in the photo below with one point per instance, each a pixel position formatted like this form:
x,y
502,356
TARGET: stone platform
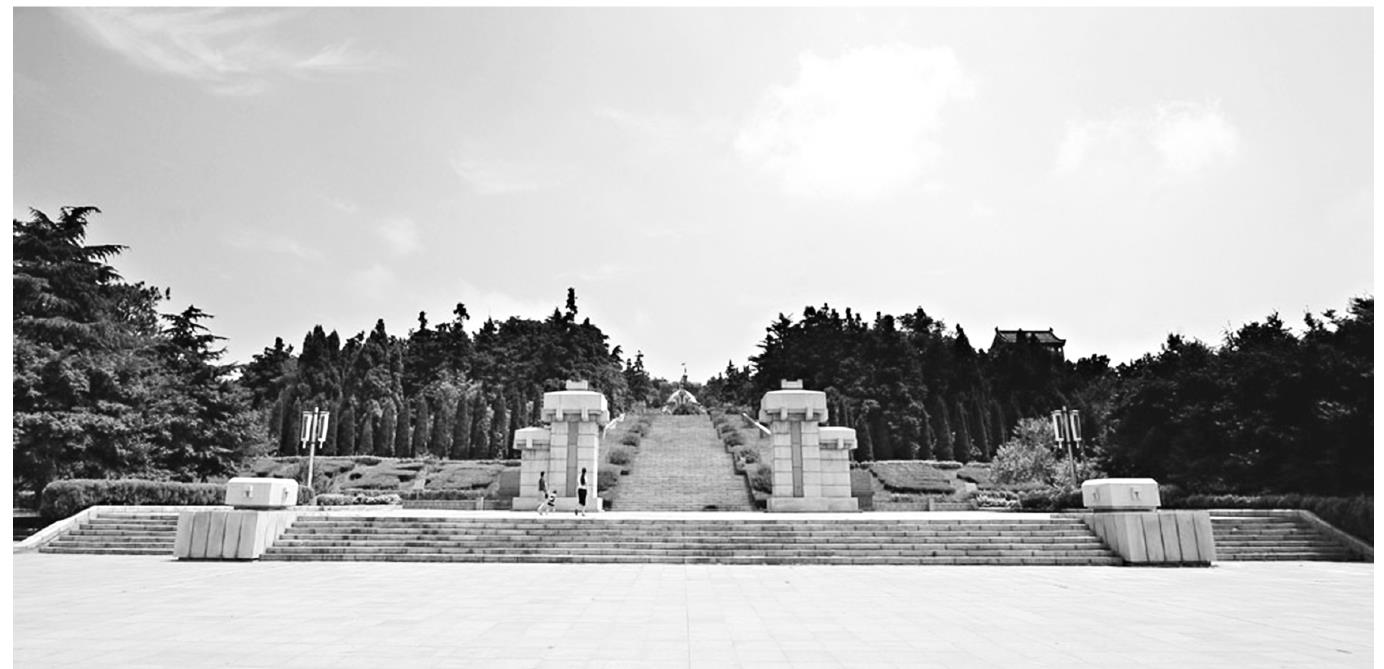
x,y
144,611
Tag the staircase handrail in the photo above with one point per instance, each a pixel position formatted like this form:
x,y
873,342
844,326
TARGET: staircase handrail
x,y
763,429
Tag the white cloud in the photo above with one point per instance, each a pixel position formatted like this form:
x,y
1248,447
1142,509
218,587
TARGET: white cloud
x,y
374,282
400,234
858,126
1191,137
1181,138
246,238
224,50
494,178
982,210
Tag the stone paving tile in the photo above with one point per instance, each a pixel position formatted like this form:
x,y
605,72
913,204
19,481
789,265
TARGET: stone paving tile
x,y
136,611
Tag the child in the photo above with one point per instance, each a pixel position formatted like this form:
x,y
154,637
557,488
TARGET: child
x,y
549,503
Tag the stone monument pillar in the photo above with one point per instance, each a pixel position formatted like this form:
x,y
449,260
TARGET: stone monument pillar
x,y
560,451
811,469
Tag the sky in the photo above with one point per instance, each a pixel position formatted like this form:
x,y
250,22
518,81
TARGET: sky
x,y
1114,174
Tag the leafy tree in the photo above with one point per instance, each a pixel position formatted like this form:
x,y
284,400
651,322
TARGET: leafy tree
x,y
1028,456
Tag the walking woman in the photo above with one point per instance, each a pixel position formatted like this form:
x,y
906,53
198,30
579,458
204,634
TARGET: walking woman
x,y
547,504
581,493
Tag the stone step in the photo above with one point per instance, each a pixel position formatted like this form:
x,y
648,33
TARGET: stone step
x,y
108,550
751,560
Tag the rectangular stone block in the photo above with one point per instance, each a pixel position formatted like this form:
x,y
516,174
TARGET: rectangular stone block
x,y
1120,494
587,428
1153,537
248,492
811,504
1187,536
201,525
811,464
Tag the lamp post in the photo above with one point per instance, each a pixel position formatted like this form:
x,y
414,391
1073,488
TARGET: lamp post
x,y
1066,428
312,432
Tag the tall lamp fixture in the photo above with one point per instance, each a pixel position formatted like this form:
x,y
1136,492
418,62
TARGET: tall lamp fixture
x,y
1066,428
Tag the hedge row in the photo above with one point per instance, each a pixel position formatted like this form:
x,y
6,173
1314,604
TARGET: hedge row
x,y
61,499
334,499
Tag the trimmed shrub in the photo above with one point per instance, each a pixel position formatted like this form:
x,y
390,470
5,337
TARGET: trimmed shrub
x,y
606,479
335,499
368,460
630,439
976,473
733,438
918,477
762,477
448,495
61,499
747,453
618,456
992,499
641,429
1052,499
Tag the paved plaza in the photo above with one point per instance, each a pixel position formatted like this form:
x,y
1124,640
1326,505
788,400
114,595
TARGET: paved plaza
x,y
139,611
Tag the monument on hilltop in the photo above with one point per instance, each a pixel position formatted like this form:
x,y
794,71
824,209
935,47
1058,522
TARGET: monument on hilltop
x,y
811,462
559,452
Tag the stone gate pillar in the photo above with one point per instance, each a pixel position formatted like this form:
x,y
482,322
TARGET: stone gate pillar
x,y
809,474
561,450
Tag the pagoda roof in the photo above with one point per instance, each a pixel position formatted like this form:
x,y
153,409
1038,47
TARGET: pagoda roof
x,y
1038,336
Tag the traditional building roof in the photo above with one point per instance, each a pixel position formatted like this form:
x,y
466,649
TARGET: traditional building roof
x,y
1043,337
680,396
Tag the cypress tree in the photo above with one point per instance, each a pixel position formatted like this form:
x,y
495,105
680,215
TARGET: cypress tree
x,y
965,449
444,421
346,430
945,439
501,427
403,443
461,432
929,451
365,443
865,445
389,426
422,429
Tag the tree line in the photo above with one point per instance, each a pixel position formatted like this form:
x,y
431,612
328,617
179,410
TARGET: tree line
x,y
1268,410
107,385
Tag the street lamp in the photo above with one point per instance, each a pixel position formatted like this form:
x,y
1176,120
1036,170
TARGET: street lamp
x,y
1066,428
312,432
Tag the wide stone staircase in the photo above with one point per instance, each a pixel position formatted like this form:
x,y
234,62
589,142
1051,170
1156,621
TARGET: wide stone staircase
x,y
120,533
682,466
698,539
1247,535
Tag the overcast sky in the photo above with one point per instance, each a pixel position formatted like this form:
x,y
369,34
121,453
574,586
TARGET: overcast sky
x,y
1116,175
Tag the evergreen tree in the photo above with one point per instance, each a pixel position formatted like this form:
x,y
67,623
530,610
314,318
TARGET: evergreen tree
x,y
965,448
389,426
944,449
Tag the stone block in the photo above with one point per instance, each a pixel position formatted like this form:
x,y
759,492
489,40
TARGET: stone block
x,y
1156,537
783,405
246,492
1120,494
580,405
837,438
224,534
811,504
532,438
